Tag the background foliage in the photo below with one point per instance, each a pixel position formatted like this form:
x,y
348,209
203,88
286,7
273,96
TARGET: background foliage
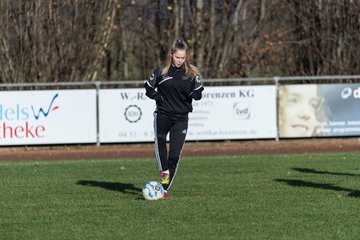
x,y
63,40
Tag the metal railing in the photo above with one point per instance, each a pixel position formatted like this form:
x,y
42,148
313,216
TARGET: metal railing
x,y
98,84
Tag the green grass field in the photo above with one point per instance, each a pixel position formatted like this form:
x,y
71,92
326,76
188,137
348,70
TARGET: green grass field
x,y
304,196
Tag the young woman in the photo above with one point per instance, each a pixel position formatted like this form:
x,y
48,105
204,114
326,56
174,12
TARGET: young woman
x,y
301,110
173,86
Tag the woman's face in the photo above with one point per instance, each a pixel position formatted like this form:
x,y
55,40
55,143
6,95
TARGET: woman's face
x,y
178,58
298,113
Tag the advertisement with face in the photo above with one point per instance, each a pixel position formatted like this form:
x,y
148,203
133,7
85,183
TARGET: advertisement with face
x,y
298,110
324,110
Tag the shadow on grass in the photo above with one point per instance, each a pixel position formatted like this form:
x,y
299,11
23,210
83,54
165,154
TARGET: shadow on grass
x,y
325,186
309,170
113,186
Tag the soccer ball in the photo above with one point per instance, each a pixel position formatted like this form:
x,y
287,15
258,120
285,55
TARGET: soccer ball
x,y
153,191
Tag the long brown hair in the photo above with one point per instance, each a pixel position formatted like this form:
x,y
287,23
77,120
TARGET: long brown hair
x,y
190,70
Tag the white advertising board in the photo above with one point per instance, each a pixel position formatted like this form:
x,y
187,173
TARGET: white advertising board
x,y
126,115
234,112
47,117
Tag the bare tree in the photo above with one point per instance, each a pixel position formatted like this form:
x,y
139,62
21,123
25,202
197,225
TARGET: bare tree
x,y
322,37
54,40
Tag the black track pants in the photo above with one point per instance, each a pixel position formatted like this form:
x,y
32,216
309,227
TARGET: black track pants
x,y
177,127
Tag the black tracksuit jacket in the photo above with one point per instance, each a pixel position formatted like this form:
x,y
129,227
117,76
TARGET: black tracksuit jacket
x,y
174,92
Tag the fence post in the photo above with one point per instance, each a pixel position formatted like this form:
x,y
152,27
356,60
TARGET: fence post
x,y
276,80
97,85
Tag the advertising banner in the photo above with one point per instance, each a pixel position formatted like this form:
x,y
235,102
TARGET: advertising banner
x,y
126,115
341,110
310,110
235,112
47,117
